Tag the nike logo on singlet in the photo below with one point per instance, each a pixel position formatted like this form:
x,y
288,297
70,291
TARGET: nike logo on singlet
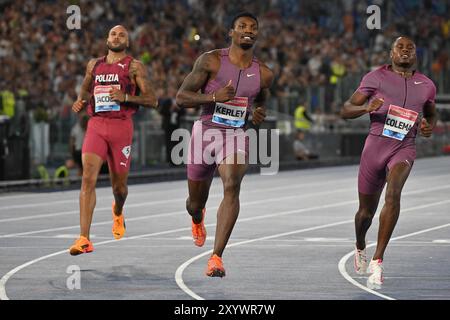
x,y
250,75
418,82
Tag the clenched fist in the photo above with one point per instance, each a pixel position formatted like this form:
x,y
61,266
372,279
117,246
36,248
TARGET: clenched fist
x,y
226,93
425,128
258,116
117,95
375,104
78,105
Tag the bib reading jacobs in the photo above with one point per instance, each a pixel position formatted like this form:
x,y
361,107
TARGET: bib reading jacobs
x,y
103,101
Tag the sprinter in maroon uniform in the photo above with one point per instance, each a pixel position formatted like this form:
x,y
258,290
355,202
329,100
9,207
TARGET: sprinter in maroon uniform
x,y
113,88
229,84
400,102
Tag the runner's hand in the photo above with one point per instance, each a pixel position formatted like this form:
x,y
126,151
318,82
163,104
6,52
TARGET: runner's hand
x,y
226,93
117,95
258,116
425,128
78,105
375,104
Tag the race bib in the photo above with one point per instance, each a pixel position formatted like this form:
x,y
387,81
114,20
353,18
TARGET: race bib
x,y
398,122
231,113
103,101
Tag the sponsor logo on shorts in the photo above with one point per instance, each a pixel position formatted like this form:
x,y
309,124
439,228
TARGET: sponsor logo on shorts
x,y
126,151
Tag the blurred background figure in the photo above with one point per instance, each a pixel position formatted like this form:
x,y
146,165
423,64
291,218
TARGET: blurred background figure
x,y
171,119
303,121
301,151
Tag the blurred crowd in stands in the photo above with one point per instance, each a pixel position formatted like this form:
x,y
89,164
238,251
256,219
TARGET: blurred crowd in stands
x,y
306,42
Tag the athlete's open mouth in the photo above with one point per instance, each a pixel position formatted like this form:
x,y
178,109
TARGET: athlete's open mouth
x,y
249,38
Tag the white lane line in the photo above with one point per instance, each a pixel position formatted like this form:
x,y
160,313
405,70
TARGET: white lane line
x,y
181,268
179,273
168,214
250,184
343,261
244,192
288,178
170,200
7,276
285,176
441,241
305,195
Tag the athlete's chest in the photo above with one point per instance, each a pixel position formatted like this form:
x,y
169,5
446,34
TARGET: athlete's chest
x,y
246,82
113,74
410,93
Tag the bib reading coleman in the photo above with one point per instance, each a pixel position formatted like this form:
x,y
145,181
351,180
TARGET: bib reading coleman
x,y
399,121
394,126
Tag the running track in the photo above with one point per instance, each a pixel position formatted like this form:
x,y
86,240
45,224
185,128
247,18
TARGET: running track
x,y
293,240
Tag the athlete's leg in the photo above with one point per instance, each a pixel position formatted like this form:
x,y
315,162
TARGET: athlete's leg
x,y
91,167
120,137
389,214
232,175
198,195
120,189
199,173
195,205
94,153
371,180
120,192
368,204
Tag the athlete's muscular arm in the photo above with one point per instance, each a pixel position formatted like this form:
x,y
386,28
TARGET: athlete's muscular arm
x,y
206,65
85,95
356,106
188,95
266,82
147,97
429,119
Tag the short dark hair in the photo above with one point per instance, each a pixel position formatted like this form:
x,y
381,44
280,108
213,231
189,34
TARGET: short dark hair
x,y
402,36
240,15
